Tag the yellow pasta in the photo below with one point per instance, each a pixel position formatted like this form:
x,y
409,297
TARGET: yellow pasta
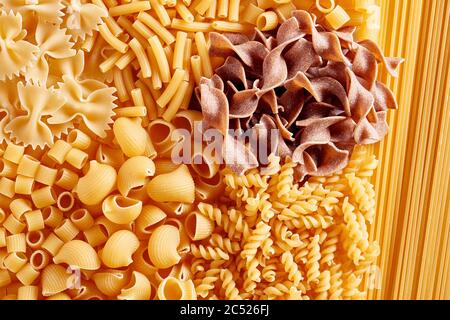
x,y
34,220
222,8
119,249
325,6
176,186
202,49
13,225
179,24
139,288
129,8
251,13
28,293
52,216
39,259
16,243
55,279
24,185
77,158
337,18
162,246
82,219
120,209
7,187
66,231
184,12
8,168
142,57
130,136
15,261
19,206
124,61
267,21
13,153
66,179
52,244
130,112
161,58
156,27
28,166
171,88
43,197
198,227
59,151
79,254
98,182
35,239
95,235
196,65
161,12
233,10
150,217
134,173
115,42
46,175
172,289
65,201
111,282
78,139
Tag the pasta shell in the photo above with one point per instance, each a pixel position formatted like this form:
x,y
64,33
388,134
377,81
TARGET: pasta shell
x,y
164,166
187,119
98,182
198,227
177,209
110,156
130,136
54,279
209,189
119,249
110,282
205,164
142,263
149,218
172,289
121,210
139,288
77,253
176,186
134,173
160,132
163,245
59,296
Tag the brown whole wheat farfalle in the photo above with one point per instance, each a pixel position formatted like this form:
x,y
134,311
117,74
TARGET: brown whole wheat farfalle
x,y
317,87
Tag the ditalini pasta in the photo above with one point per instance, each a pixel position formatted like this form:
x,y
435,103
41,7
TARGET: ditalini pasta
x,y
97,97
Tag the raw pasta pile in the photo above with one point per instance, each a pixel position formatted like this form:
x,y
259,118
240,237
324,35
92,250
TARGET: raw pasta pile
x,y
92,206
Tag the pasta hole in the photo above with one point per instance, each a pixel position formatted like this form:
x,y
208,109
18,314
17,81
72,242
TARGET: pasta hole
x,y
172,290
124,202
182,123
65,201
34,237
46,212
37,260
72,137
79,214
164,273
159,132
191,225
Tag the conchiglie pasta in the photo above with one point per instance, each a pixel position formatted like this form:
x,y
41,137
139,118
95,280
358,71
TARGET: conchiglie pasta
x,y
134,173
164,166
79,254
98,182
176,186
130,136
198,227
139,288
119,249
163,246
174,289
120,209
149,218
110,282
55,279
